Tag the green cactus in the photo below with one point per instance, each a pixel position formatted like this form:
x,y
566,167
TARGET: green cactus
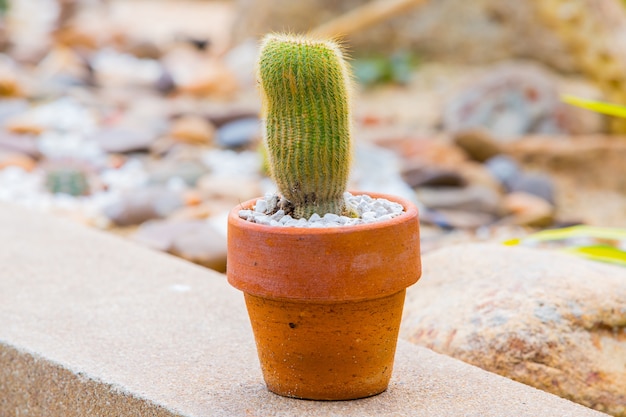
x,y
67,181
305,90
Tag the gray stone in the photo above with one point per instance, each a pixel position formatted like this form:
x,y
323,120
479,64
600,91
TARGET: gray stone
x,y
239,133
137,206
503,168
203,245
123,139
189,171
473,198
535,183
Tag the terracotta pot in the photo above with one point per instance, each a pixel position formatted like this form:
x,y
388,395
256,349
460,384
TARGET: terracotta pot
x,y
325,304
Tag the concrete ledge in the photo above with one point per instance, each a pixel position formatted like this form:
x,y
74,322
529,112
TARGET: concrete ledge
x,y
94,325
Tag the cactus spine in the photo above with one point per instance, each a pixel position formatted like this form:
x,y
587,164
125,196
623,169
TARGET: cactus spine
x,y
304,87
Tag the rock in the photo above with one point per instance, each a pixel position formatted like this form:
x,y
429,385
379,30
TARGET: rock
x,y
12,107
528,210
24,144
195,130
534,183
477,143
234,189
427,176
504,169
541,317
203,245
123,139
239,133
143,204
16,159
472,198
457,219
425,151
481,31
188,170
508,101
593,161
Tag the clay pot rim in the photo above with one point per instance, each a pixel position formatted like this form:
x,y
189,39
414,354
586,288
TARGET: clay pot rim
x,y
410,209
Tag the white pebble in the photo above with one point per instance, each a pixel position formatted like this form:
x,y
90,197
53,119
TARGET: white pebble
x,y
368,209
261,206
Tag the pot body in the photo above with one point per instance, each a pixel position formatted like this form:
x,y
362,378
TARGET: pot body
x,y
325,304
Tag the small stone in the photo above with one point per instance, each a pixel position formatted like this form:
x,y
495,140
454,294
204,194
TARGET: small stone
x,y
143,204
239,133
189,171
261,206
314,218
278,215
528,210
203,245
430,176
534,183
368,216
472,198
504,168
479,144
331,217
191,129
16,159
123,139
235,188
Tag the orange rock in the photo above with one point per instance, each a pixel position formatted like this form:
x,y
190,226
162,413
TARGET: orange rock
x,y
193,129
18,160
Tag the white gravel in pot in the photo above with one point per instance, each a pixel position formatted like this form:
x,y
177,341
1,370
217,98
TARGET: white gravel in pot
x,y
369,210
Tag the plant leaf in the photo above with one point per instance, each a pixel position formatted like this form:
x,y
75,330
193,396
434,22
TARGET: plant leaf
x,y
597,106
602,253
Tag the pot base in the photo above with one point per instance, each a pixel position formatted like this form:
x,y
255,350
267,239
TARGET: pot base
x,y
326,351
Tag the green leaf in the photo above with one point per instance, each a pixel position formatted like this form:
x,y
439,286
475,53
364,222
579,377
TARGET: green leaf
x,y
597,243
597,106
602,253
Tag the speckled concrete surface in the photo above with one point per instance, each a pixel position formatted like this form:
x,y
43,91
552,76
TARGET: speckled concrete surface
x,y
94,325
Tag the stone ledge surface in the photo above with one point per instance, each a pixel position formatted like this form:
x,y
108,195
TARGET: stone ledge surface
x,y
92,325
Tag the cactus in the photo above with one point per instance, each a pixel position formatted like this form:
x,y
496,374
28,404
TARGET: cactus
x,y
595,31
305,90
67,181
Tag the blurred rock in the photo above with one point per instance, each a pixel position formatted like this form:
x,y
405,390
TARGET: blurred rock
x,y
504,169
425,151
477,143
473,198
195,130
187,170
123,139
24,144
534,183
528,210
594,161
426,176
203,245
16,159
508,101
458,219
481,31
239,133
143,204
235,189
540,317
